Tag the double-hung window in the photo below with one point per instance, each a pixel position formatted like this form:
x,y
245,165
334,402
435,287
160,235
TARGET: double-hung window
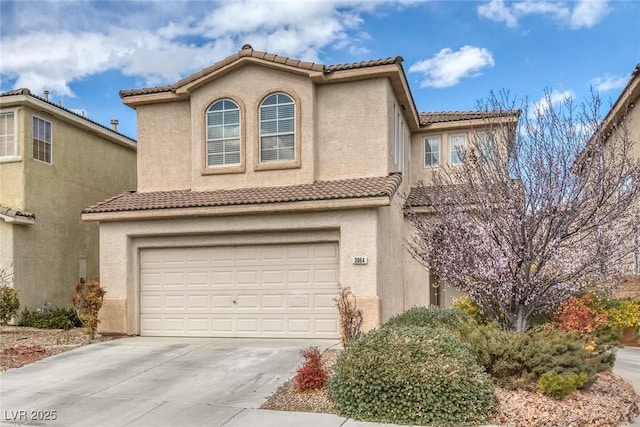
x,y
458,148
277,128
8,139
223,133
432,151
42,141
485,146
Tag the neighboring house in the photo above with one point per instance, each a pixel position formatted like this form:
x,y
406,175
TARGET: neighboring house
x,y
263,183
625,113
54,163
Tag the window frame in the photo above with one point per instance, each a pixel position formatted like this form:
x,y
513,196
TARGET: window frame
x,y
207,169
33,139
15,156
258,164
451,151
424,147
484,140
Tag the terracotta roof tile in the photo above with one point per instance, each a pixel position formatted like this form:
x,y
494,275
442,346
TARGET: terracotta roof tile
x,y
319,190
454,116
247,51
5,210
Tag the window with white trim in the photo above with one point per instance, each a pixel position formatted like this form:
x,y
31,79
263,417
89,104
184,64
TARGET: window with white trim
x,y
432,151
8,137
42,142
485,146
223,133
457,148
277,128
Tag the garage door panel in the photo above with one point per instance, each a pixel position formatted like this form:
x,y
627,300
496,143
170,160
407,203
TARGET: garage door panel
x,y
327,275
243,291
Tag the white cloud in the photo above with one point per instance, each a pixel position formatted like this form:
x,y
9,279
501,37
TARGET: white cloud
x,y
496,10
550,99
609,82
447,67
147,41
588,13
578,14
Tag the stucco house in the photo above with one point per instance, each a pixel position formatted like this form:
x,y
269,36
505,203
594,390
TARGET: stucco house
x,y
263,183
53,163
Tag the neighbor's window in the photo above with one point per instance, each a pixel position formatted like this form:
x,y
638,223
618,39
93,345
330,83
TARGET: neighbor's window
x,y
8,140
223,133
277,128
432,151
41,140
486,147
458,148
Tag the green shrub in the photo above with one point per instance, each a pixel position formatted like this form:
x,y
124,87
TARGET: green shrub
x,y
518,360
559,386
60,318
9,304
410,375
431,317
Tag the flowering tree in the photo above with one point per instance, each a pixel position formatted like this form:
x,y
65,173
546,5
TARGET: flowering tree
x,y
541,208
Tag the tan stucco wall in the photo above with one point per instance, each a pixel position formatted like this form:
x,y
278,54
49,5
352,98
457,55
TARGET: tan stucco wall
x,y
356,231
85,169
164,152
6,247
248,86
339,137
353,130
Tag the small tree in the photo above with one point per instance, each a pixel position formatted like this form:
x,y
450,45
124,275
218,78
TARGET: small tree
x,y
87,300
350,316
9,301
540,208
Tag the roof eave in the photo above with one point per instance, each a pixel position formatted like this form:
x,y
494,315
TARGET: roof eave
x,y
17,219
44,106
252,209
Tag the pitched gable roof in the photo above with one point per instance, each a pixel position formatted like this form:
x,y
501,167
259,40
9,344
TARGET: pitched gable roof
x,y
28,93
248,52
320,190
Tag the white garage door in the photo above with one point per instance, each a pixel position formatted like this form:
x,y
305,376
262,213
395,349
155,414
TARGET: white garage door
x,y
240,291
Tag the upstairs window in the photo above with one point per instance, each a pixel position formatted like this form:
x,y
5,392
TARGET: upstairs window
x,y
42,140
8,140
486,147
432,151
277,128
223,133
458,149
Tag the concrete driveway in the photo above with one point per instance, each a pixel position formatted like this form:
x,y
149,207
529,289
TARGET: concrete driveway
x,y
150,381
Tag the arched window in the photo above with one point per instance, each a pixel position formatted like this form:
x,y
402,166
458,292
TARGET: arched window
x,y
277,128
223,133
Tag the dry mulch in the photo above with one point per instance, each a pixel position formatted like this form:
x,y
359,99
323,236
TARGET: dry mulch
x,y
21,345
610,401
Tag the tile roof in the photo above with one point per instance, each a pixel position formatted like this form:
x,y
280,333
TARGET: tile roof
x,y
420,196
5,210
454,116
27,92
248,51
320,190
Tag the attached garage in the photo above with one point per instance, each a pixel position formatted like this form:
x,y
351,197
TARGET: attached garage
x,y
267,291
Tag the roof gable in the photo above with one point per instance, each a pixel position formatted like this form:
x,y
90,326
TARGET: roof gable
x,y
248,55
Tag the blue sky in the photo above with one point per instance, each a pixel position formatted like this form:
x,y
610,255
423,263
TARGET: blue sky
x,y
455,52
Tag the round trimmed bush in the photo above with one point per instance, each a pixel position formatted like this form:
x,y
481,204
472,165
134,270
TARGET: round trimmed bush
x,y
410,375
431,317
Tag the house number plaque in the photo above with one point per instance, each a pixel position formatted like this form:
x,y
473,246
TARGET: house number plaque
x,y
360,260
